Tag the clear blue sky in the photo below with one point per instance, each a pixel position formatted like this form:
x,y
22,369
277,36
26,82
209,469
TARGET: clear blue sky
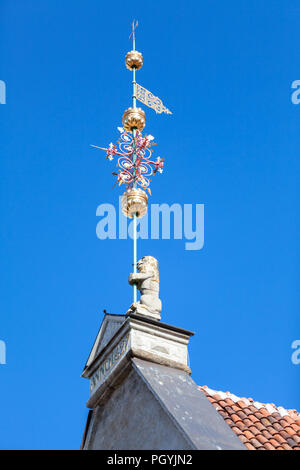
x,y
225,69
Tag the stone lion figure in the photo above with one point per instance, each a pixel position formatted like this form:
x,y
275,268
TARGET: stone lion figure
x,y
147,282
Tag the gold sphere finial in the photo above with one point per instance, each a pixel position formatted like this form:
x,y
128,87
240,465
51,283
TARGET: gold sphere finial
x,y
134,201
134,117
134,59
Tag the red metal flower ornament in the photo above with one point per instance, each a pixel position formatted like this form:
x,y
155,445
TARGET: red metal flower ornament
x,y
140,170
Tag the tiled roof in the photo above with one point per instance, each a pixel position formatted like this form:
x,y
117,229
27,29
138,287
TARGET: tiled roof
x,y
259,426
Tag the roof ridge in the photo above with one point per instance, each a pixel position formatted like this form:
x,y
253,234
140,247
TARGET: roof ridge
x,y
270,407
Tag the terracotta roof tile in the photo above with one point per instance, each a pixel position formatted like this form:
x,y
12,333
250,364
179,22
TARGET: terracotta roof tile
x,y
265,422
248,422
286,447
284,434
236,430
284,423
295,427
266,433
253,418
235,408
248,434
258,415
228,409
276,425
242,415
262,439
296,438
273,420
235,418
243,438
255,443
241,425
229,421
264,412
254,430
291,442
289,419
249,446
242,404
272,431
258,425
222,403
274,443
269,446
279,438
229,401
289,430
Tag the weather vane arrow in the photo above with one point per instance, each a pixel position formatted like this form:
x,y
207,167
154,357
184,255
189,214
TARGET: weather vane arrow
x,y
134,151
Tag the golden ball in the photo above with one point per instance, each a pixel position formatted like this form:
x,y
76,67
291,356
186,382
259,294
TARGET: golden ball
x,y
134,59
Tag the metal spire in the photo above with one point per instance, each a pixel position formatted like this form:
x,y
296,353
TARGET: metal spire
x,y
134,26
134,150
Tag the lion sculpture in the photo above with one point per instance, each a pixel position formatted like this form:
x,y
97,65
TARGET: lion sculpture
x,y
147,282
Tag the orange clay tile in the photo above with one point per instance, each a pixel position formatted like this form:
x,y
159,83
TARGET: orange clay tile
x,y
255,443
243,438
253,418
262,439
241,425
295,427
273,430
264,412
269,446
229,401
236,430
241,404
235,418
249,446
289,430
266,433
259,426
274,443
287,447
242,415
279,438
254,430
248,434
228,409
291,442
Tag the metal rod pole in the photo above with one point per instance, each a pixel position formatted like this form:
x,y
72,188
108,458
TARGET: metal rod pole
x,y
133,38
134,224
134,256
134,185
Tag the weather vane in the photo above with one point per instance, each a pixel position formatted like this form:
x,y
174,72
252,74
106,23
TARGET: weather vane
x,y
134,151
134,26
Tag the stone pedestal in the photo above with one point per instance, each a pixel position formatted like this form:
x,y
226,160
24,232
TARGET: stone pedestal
x,y
139,337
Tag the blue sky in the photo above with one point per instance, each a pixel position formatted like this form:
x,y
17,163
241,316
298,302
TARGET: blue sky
x,y
225,69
